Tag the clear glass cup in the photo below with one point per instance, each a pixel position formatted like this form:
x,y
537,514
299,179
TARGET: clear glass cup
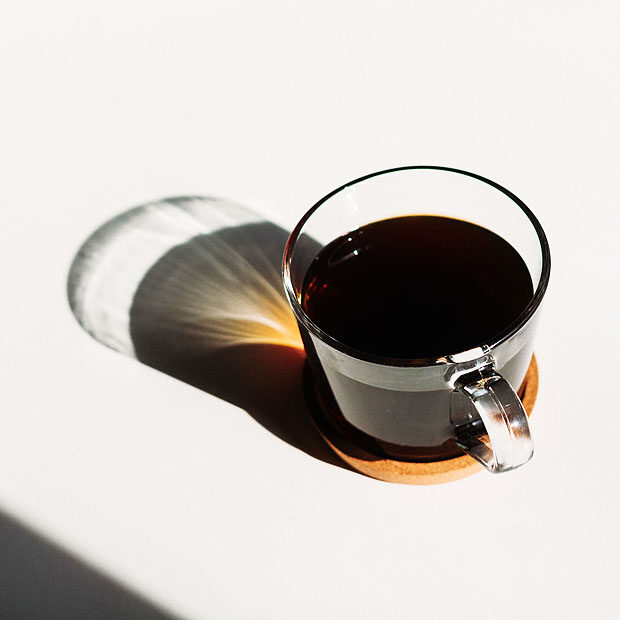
x,y
435,408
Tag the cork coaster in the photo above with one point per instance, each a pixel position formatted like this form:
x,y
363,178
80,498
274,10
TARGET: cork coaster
x,y
406,472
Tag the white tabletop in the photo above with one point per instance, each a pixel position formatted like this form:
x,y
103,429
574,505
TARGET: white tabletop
x,y
182,498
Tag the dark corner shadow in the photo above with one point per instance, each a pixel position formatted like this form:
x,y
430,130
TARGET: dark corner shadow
x,y
39,580
192,287
218,347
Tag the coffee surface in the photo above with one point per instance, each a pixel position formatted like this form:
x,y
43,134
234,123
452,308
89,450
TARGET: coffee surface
x,y
416,286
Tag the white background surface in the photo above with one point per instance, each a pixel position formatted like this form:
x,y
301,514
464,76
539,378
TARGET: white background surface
x,y
272,104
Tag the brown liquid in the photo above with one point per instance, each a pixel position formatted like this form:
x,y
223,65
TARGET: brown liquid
x,y
409,287
416,286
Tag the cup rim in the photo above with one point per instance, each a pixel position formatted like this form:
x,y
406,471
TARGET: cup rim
x,y
473,353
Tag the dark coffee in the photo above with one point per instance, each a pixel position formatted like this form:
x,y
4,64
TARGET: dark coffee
x,y
416,286
409,287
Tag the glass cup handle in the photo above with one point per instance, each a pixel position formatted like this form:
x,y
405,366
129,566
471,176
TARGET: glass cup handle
x,y
500,438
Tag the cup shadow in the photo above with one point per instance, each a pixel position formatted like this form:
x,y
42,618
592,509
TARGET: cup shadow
x,y
191,287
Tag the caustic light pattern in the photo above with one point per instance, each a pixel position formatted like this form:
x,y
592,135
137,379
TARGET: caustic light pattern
x,y
203,273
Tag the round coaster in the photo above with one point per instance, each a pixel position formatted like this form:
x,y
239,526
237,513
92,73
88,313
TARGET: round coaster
x,y
419,473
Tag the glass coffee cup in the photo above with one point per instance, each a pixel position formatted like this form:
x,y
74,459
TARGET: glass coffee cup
x,y
381,382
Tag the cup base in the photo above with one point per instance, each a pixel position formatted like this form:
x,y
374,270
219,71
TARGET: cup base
x,y
407,472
